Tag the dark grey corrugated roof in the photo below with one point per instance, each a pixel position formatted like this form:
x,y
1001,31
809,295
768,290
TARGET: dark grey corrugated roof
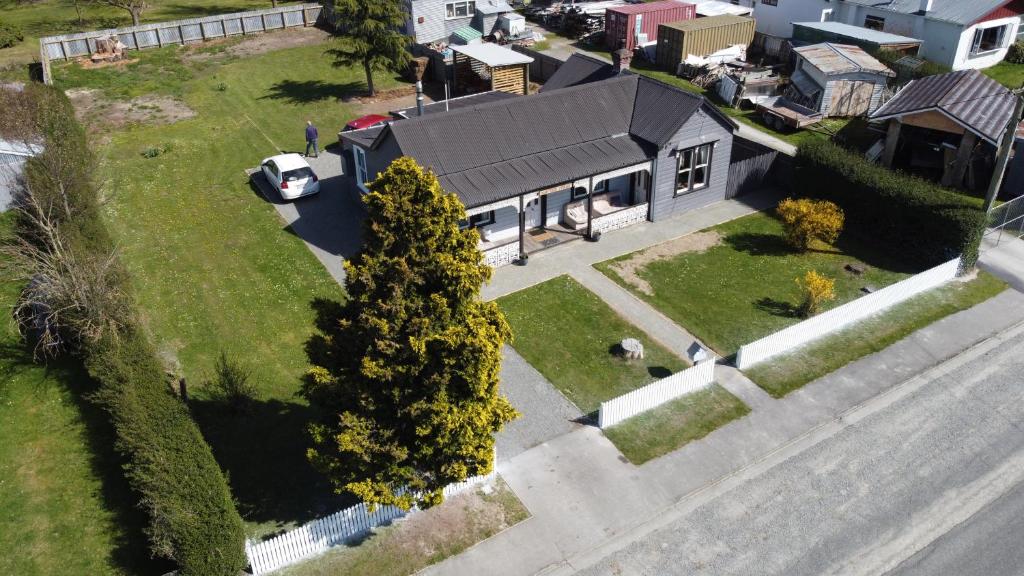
x,y
501,149
454,103
579,69
956,11
364,137
974,100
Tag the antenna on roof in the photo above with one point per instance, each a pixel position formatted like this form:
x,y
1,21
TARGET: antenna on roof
x,y
445,95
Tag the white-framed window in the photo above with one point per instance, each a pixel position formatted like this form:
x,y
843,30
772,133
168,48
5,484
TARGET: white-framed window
x,y
459,9
989,39
481,219
360,158
694,169
770,2
874,22
577,193
601,187
826,15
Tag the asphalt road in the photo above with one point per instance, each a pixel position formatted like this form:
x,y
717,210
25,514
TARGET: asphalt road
x,y
907,488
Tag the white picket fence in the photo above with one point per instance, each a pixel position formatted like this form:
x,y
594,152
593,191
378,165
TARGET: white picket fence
x,y
318,536
837,318
657,393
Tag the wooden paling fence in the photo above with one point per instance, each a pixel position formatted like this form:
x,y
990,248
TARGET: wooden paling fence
x,y
159,34
655,394
837,318
318,536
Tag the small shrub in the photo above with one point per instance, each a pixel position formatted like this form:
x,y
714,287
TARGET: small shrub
x,y
817,289
232,387
154,151
1015,55
9,35
808,220
220,87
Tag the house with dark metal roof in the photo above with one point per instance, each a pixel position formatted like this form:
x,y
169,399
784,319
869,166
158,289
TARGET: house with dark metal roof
x,y
578,69
960,34
534,171
947,125
837,80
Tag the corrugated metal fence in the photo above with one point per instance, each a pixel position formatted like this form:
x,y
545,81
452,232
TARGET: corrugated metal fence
x,y
653,395
318,536
842,316
160,34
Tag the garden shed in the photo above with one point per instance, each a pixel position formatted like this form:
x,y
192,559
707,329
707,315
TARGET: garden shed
x,y
837,79
632,25
866,38
483,67
701,37
13,156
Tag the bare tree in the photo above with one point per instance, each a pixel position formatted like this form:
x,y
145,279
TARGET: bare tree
x,y
134,7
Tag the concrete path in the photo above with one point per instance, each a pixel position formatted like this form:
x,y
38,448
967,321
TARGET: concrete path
x,y
1004,257
547,264
545,413
750,133
584,497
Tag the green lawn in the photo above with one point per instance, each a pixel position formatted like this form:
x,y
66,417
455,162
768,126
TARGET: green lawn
x,y
1009,75
423,538
745,287
65,507
213,265
674,424
783,374
571,336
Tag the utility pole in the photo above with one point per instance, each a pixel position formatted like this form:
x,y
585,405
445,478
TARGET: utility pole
x,y
1003,157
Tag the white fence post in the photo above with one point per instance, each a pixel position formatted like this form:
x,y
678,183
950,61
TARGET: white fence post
x,y
837,318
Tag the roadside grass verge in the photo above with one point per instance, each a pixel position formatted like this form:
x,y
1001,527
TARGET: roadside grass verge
x,y
571,336
65,507
422,539
782,374
674,424
213,266
744,286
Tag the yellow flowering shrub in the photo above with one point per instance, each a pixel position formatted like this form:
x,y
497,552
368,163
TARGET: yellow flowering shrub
x,y
817,289
809,220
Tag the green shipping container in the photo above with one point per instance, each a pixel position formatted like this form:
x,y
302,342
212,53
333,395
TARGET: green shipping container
x,y
700,37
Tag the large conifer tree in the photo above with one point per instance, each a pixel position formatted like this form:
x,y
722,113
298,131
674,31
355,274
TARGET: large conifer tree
x,y
405,372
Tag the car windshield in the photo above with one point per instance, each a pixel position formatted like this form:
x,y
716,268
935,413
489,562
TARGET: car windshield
x,y
297,174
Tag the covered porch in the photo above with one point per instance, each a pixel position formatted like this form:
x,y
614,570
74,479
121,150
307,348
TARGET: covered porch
x,y
582,208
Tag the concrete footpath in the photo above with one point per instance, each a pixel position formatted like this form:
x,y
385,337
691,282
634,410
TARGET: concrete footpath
x,y
583,495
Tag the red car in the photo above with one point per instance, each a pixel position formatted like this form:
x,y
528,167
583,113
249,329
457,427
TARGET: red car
x,y
368,121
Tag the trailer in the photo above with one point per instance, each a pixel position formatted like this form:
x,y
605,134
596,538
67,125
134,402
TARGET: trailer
x,y
778,112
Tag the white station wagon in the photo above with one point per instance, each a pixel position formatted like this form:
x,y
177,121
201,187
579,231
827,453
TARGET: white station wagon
x,y
290,175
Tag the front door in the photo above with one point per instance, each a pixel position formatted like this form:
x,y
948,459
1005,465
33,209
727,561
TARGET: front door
x,y
533,216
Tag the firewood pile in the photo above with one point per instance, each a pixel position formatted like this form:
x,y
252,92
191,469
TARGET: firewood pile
x,y
108,49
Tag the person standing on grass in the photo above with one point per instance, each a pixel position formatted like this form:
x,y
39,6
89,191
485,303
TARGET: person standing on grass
x,y
311,139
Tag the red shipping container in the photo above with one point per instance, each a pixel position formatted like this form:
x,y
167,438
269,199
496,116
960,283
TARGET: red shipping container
x,y
623,24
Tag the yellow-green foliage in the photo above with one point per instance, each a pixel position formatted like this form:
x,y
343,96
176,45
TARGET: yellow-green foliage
x,y
817,289
808,220
406,371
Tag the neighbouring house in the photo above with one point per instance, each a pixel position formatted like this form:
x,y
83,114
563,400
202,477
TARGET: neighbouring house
x,y
837,80
947,127
13,156
707,8
451,104
838,33
436,20
633,25
960,34
534,171
583,69
701,37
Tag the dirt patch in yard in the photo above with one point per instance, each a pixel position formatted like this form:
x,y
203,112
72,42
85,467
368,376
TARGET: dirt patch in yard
x,y
629,268
100,113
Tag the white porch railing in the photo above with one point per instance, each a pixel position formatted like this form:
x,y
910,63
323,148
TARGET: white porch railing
x,y
655,394
621,219
318,536
827,322
502,255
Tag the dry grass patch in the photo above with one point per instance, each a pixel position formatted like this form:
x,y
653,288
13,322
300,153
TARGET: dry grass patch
x,y
423,538
628,268
99,112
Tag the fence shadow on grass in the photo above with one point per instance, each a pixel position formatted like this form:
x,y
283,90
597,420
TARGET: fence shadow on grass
x,y
263,451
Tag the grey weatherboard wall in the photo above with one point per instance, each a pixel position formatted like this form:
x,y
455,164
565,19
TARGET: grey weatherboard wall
x,y
434,26
701,128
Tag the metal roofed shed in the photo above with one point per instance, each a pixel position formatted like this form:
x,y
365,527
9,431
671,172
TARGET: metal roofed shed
x,y
706,8
866,38
484,67
837,80
631,25
466,35
13,156
701,37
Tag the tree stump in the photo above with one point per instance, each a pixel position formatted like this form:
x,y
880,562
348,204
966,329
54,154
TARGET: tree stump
x,y
632,349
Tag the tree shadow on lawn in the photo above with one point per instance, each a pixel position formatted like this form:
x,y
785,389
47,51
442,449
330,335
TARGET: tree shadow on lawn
x,y
310,91
875,256
777,307
130,545
759,244
263,451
